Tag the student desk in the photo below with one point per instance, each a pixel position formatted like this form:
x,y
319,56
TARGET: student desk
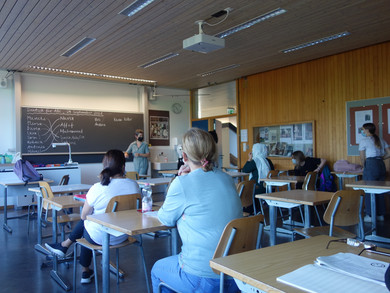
x,y
372,188
290,199
6,184
57,190
281,181
236,174
257,270
168,173
59,203
130,222
342,175
154,181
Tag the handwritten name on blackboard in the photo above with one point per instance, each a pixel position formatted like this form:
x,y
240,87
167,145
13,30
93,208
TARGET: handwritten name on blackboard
x,y
86,131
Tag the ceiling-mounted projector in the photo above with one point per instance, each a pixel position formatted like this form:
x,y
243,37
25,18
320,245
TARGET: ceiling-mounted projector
x,y
203,43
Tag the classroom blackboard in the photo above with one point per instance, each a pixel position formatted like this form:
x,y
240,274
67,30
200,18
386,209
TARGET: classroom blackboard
x,y
86,131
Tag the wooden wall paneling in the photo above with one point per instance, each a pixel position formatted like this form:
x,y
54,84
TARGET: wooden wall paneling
x,y
315,90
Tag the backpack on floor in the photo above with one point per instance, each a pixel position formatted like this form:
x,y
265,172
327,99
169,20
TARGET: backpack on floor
x,y
326,180
26,172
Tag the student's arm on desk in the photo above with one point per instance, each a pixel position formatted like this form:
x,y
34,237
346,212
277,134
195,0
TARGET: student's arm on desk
x,y
173,206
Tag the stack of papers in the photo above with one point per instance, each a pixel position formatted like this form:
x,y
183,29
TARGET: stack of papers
x,y
81,197
342,272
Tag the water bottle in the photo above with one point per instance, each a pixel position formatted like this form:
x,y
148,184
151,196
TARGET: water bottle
x,y
147,201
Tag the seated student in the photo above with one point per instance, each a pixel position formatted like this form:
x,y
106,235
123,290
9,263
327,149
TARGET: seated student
x,y
200,203
258,165
303,165
113,182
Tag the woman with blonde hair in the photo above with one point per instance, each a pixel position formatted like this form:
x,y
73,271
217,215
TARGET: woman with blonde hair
x,y
200,204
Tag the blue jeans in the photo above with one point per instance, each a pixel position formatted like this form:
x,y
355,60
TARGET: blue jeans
x,y
168,270
375,169
80,232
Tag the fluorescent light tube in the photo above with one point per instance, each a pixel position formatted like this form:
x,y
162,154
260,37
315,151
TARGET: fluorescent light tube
x,y
250,23
91,74
204,74
80,45
159,60
134,7
316,42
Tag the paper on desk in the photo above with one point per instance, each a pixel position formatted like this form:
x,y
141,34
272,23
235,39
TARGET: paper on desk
x,y
357,266
317,279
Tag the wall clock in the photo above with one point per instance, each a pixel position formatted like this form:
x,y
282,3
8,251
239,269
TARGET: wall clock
x,y
177,108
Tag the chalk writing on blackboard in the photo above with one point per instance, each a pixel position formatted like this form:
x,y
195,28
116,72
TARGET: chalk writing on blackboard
x,y
85,131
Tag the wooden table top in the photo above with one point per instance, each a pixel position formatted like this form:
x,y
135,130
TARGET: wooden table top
x,y
299,196
287,179
13,182
130,222
60,189
155,181
237,174
347,173
369,184
173,172
261,267
64,202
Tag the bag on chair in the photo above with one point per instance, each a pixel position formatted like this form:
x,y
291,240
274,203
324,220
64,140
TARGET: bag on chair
x,y
26,172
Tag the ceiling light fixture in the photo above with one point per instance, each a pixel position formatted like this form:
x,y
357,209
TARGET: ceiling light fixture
x,y
80,45
218,70
134,7
91,74
250,23
159,60
316,42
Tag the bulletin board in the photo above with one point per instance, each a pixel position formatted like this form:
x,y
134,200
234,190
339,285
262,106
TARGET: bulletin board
x,y
284,139
375,111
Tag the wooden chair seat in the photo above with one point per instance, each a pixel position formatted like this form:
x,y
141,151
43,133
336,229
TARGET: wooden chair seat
x,y
84,242
66,218
324,230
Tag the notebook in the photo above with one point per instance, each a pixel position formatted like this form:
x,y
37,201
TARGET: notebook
x,y
342,272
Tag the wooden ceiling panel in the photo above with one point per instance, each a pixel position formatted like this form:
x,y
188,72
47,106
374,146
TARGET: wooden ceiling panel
x,y
37,32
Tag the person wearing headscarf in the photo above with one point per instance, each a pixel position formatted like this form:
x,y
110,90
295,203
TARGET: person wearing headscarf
x,y
258,165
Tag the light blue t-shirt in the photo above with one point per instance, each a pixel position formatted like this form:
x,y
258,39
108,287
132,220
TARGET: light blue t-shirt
x,y
200,204
368,144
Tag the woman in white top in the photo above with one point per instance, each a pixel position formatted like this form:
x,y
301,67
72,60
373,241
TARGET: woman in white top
x,y
373,150
112,183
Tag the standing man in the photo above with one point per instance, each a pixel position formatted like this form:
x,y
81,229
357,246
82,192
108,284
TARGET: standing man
x,y
140,151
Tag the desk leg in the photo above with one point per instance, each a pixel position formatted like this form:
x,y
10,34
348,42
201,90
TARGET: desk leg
x,y
106,263
307,216
5,224
38,247
272,220
341,183
373,213
54,272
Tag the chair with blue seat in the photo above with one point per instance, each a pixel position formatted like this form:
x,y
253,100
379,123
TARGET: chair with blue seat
x,y
239,235
116,204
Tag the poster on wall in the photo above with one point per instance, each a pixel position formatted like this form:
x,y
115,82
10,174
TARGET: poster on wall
x,y
362,117
283,140
158,128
